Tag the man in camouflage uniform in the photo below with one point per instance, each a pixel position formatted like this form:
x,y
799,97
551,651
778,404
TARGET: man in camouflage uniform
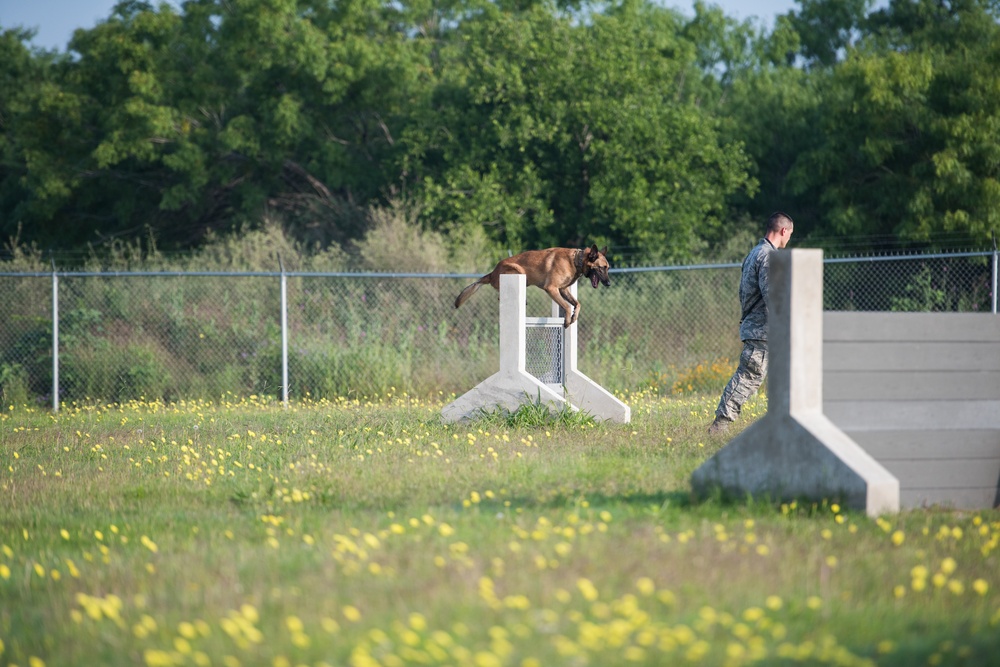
x,y
753,324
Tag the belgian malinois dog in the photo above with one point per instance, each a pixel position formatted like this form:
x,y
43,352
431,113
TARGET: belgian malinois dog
x,y
554,270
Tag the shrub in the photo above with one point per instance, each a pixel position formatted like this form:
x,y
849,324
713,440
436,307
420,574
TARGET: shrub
x,y
13,384
703,378
143,373
329,372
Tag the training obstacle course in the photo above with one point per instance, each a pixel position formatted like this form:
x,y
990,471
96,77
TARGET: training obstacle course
x,y
561,387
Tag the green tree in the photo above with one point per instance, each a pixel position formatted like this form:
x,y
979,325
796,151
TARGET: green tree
x,y
21,72
551,130
762,102
188,123
826,28
907,131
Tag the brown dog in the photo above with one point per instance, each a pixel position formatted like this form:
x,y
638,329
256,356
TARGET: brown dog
x,y
553,270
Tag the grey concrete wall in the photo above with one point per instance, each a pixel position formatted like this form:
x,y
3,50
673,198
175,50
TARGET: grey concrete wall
x,y
921,393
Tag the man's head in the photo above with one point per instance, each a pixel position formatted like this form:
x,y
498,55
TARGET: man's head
x,y
779,229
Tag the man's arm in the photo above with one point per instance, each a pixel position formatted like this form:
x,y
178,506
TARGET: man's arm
x,y
763,279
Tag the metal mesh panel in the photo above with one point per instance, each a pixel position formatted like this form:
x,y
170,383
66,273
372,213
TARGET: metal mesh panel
x,y
137,337
948,283
543,352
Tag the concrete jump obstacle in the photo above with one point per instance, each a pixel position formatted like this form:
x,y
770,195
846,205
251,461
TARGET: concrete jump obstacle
x,y
883,410
512,386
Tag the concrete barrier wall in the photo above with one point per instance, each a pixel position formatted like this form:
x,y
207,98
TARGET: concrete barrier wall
x,y
920,392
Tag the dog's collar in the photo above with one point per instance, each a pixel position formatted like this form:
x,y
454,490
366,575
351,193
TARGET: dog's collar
x,y
578,260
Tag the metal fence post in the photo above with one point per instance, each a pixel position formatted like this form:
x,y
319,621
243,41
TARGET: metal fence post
x,y
55,338
995,274
284,333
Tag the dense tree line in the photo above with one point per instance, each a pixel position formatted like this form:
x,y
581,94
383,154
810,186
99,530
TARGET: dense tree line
x,y
540,123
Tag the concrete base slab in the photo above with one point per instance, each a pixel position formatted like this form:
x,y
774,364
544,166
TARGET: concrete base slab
x,y
594,399
505,390
784,457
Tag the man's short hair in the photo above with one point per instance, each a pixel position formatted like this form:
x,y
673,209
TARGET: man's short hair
x,y
779,220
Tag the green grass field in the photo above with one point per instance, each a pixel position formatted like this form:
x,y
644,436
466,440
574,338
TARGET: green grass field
x,y
366,532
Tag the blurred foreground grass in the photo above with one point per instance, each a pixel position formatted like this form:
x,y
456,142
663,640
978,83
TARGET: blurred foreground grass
x,y
366,532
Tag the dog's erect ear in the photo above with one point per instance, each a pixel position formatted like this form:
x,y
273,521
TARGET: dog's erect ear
x,y
592,255
605,251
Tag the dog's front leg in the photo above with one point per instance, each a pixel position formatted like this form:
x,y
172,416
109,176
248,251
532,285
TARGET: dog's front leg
x,y
571,315
557,295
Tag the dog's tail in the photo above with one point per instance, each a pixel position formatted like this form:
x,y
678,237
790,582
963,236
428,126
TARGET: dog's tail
x,y
464,295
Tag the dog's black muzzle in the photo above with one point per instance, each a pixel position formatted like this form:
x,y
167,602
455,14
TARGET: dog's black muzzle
x,y
599,277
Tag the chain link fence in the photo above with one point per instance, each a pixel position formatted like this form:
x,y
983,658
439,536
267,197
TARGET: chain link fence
x,y
113,337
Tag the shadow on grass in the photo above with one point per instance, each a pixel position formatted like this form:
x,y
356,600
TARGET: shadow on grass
x,y
672,499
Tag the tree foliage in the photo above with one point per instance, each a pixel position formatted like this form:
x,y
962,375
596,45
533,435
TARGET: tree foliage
x,y
908,126
552,133
537,122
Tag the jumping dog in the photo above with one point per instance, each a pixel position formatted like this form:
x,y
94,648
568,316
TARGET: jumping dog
x,y
553,270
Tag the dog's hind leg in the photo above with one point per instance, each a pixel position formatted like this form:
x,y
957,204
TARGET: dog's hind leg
x,y
504,268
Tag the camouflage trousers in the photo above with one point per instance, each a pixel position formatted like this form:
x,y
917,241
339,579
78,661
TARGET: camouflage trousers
x,y
746,380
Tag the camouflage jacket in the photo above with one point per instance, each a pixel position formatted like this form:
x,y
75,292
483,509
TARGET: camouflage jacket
x,y
754,292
